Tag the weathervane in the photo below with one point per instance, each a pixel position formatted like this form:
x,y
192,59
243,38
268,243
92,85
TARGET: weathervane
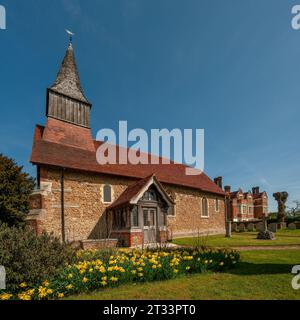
x,y
71,34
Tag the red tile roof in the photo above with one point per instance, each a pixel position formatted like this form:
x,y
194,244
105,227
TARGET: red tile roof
x,y
60,155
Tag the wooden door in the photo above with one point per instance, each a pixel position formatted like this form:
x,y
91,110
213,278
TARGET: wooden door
x,y
150,225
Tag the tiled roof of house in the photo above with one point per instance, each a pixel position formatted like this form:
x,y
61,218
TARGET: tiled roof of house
x,y
61,155
235,193
245,194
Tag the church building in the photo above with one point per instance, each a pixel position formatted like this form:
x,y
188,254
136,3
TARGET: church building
x,y
78,199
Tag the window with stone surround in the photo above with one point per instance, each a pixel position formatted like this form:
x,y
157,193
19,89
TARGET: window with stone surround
x,y
217,205
107,194
243,209
204,212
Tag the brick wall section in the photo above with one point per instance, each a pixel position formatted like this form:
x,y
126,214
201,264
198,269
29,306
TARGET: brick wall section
x,y
260,203
84,209
65,133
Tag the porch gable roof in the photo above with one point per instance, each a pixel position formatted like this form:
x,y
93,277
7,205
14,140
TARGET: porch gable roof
x,y
135,191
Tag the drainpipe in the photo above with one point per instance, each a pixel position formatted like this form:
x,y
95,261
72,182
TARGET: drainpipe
x,y
62,199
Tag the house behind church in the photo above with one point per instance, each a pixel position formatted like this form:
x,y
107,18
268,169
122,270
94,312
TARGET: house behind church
x,y
246,206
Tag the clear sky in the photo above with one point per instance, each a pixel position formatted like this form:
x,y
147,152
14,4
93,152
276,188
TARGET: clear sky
x,y
231,67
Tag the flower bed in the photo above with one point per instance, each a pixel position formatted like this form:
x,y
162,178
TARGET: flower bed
x,y
99,269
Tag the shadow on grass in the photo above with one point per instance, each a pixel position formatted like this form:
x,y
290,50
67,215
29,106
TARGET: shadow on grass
x,y
246,268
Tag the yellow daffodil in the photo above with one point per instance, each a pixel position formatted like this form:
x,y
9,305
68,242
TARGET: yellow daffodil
x,y
5,296
69,287
114,279
24,296
42,292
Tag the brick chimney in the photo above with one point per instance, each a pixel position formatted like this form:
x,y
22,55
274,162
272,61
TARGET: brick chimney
x,y
255,190
218,182
227,189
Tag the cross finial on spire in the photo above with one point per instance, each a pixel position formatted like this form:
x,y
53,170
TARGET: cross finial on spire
x,y
71,34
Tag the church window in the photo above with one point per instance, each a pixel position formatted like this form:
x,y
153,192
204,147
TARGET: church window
x,y
205,208
107,193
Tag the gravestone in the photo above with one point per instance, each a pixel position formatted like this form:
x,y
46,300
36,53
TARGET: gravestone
x,y
234,227
292,226
251,227
272,227
281,225
260,226
297,224
242,227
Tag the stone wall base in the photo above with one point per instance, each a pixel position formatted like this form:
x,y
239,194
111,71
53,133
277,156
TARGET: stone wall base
x,y
99,244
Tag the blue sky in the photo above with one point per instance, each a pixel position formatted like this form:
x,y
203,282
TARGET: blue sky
x,y
230,67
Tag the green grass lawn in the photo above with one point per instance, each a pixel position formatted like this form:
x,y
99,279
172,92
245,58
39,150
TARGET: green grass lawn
x,y
260,275
283,238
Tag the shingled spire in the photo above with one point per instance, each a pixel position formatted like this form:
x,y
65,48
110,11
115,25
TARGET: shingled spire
x,y
68,80
66,99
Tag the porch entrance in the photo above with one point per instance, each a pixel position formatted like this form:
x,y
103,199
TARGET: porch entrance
x,y
150,225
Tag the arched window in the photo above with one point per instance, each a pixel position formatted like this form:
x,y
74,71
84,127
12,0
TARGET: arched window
x,y
107,194
204,207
